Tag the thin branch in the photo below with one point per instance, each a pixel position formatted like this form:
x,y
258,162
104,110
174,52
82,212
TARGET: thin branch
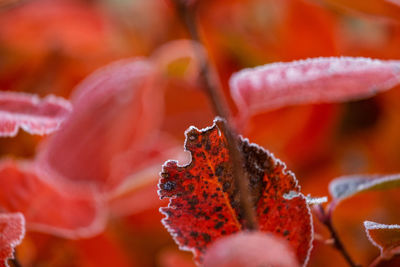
x,y
212,87
326,219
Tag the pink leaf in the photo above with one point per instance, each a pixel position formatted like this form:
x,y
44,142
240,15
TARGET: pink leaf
x,y
250,249
64,211
347,186
313,80
117,112
12,231
28,112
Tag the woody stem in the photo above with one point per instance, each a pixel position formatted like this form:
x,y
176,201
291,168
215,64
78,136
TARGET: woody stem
x,y
213,90
326,219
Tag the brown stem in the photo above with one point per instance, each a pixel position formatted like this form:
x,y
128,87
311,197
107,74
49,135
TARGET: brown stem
x,y
212,88
326,219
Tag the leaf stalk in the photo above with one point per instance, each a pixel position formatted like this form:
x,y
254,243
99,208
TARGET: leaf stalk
x,y
326,219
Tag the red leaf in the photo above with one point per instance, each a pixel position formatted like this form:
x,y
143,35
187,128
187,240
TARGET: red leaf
x,y
260,250
313,80
385,237
12,231
117,112
204,201
64,211
28,112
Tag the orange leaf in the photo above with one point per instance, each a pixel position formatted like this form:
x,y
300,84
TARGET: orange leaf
x,y
384,236
60,210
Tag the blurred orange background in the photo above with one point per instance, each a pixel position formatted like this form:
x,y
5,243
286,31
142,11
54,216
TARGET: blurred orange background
x,y
49,46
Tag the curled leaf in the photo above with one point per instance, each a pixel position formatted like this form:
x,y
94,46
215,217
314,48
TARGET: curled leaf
x,y
261,249
384,236
12,231
204,201
117,114
64,211
347,186
314,80
30,113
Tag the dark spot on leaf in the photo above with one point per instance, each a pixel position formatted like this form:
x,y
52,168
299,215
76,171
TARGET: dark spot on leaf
x,y
192,136
206,237
169,186
266,210
226,186
208,146
194,234
191,187
286,232
217,209
218,225
219,170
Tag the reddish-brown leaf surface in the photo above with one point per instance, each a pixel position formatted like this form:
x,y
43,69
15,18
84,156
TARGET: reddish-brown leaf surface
x,y
60,210
204,203
12,231
315,80
30,113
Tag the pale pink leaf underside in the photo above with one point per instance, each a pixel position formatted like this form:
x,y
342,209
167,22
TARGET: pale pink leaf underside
x,y
117,111
315,80
64,211
30,113
230,251
347,186
384,236
12,231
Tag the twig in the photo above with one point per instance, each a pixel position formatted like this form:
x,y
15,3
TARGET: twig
x,y
326,219
212,88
